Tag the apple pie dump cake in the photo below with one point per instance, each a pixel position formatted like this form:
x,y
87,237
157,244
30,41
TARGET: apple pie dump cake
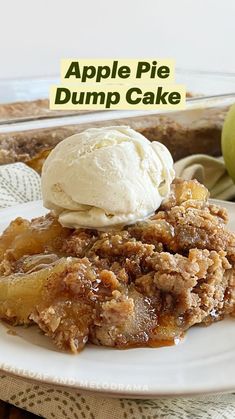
x,y
142,285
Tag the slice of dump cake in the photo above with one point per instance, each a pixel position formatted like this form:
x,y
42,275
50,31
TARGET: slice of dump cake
x,y
142,285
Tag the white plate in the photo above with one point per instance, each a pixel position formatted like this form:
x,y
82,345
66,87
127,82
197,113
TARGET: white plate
x,y
203,362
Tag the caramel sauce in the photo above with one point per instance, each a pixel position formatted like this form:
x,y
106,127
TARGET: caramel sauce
x,y
165,333
152,343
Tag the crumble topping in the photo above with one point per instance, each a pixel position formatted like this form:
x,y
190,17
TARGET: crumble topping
x,y
144,285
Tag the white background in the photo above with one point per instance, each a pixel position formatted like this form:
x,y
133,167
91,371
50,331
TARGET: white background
x,y
34,35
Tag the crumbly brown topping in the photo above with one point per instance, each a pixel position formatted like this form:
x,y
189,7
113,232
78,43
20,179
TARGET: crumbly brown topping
x,y
144,285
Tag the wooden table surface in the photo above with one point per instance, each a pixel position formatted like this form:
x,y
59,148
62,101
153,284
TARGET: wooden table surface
x,y
7,411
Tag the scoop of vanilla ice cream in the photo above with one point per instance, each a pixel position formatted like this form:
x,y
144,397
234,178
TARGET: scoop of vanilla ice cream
x,y
106,177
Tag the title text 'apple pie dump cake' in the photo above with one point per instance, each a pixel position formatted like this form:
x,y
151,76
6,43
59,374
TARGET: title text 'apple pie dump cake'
x,y
142,284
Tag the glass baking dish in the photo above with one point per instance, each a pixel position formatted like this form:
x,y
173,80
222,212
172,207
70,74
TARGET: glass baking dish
x,y
27,98
196,81
197,129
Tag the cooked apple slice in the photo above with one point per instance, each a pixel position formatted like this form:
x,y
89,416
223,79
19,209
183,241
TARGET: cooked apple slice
x,y
190,189
24,237
20,293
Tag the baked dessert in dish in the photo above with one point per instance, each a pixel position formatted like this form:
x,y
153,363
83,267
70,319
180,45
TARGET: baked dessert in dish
x,y
183,133
30,109
142,285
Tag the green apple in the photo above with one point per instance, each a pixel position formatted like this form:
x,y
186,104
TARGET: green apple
x,y
228,141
